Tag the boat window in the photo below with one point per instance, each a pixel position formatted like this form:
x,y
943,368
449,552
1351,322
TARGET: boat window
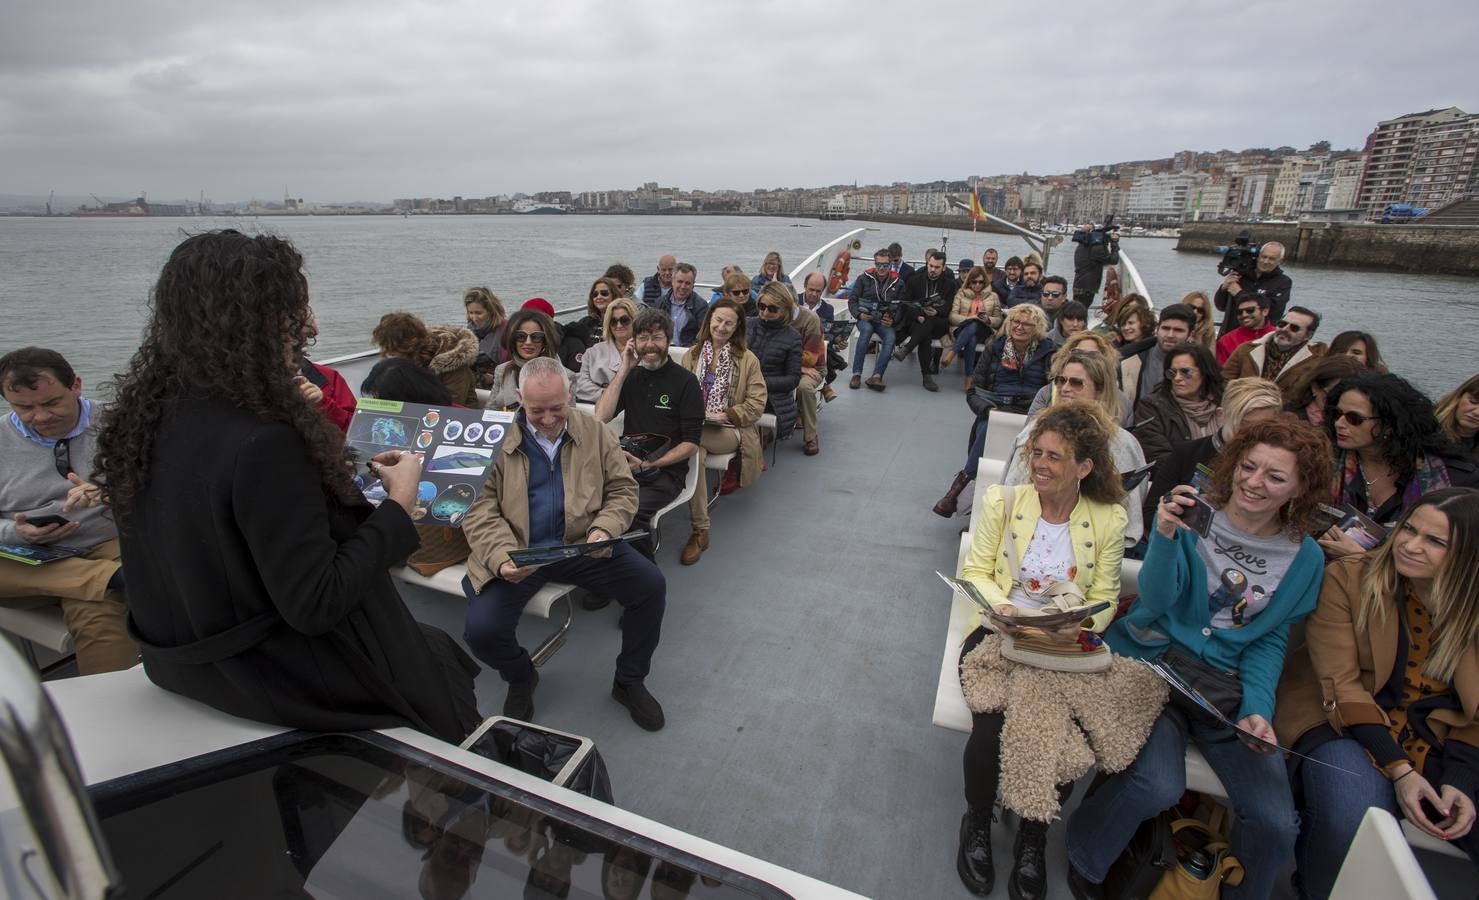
x,y
349,816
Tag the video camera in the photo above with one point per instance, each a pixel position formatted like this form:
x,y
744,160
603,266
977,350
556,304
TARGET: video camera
x,y
1241,257
1099,240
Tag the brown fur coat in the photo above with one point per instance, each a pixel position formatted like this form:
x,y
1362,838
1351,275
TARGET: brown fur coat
x,y
1060,725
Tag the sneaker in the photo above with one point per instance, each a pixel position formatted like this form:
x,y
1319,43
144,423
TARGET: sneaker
x,y
856,382
876,383
645,709
519,704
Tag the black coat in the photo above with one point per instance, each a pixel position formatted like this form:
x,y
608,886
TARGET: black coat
x,y
778,347
252,590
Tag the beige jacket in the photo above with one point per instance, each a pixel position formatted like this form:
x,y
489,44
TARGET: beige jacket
x,y
600,492
960,309
746,404
1247,361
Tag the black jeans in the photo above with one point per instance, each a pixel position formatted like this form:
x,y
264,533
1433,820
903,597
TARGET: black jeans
x,y
626,577
982,760
654,495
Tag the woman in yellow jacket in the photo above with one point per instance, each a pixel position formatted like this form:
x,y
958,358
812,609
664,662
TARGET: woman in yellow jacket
x,y
734,399
1067,524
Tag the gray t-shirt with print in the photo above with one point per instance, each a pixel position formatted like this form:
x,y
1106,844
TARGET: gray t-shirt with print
x,y
1243,571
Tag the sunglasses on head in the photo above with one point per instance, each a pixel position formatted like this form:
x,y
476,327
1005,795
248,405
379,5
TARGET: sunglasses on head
x,y
768,307
1186,372
1354,419
521,337
1293,327
1076,383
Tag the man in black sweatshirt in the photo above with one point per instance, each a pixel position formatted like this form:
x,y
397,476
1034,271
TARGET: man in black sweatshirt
x,y
926,311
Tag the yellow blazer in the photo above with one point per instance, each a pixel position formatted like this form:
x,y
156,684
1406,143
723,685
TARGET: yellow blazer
x,y
1098,531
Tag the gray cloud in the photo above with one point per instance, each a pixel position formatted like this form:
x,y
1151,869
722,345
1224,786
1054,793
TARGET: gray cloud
x,y
342,100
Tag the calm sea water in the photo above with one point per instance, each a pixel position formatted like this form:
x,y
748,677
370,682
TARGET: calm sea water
x,y
81,285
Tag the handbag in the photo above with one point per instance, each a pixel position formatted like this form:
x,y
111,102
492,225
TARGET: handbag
x,y
1203,860
1224,690
1088,654
441,547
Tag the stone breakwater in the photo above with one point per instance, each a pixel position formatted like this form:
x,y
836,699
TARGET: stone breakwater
x,y
1428,249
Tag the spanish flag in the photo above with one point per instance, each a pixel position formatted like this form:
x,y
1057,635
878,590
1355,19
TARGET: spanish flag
x,y
977,212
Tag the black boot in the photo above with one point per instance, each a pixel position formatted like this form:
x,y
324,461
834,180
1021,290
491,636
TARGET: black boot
x,y
973,860
948,503
929,381
935,352
1029,879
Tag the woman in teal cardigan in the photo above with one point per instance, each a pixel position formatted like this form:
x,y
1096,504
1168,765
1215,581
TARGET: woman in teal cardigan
x,y
1229,600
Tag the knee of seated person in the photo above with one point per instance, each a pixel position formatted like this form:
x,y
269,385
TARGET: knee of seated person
x,y
1278,823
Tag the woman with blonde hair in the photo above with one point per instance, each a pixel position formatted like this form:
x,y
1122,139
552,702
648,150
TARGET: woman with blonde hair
x,y
1084,342
772,269
600,363
1089,377
975,315
1386,687
734,399
1204,332
485,319
1458,415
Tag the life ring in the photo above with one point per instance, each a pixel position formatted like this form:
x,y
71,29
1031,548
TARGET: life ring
x,y
838,277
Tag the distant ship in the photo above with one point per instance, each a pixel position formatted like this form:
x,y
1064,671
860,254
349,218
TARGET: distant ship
x,y
537,207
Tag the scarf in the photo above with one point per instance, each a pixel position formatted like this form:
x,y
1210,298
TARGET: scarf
x,y
1429,474
716,389
1275,357
1198,414
1009,358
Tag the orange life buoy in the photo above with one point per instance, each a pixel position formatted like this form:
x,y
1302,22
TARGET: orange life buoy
x,y
838,277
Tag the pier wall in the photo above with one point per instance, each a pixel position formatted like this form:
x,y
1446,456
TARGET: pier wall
x,y
1431,249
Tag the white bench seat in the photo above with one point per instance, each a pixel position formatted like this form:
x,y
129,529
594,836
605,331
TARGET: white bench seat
x,y
541,605
41,625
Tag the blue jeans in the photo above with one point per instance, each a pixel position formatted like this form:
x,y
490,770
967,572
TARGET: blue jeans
x,y
627,577
1331,805
864,335
965,344
1258,791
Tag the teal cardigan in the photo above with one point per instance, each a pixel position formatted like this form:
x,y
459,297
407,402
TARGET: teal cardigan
x,y
1172,608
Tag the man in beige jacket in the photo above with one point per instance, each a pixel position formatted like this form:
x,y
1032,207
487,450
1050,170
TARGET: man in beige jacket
x,y
564,481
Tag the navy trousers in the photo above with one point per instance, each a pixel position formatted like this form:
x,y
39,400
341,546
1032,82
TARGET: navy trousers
x,y
627,577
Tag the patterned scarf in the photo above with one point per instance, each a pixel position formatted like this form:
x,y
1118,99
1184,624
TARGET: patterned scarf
x,y
1350,490
1009,358
716,392
1199,415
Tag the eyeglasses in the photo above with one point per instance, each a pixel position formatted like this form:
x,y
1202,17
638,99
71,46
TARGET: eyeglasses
x,y
1291,327
621,321
1076,383
1354,419
768,307
1186,372
521,337
62,457
1052,293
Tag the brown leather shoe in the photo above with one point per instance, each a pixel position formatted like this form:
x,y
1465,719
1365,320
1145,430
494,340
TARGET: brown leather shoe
x,y
698,542
812,447
947,358
857,382
875,383
828,394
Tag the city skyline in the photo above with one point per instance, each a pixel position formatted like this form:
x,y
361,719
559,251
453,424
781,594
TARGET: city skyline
x,y
357,101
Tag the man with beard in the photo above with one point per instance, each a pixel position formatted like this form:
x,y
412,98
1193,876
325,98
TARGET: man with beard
x,y
1277,356
664,420
1269,281
1029,290
927,298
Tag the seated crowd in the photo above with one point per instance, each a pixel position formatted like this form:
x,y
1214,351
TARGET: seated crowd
x,y
1360,658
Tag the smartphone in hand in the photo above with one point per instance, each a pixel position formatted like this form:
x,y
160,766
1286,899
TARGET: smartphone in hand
x,y
43,521
1199,516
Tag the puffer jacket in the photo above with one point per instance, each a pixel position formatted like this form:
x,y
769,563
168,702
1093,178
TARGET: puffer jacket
x,y
876,297
454,350
778,347
960,308
1021,383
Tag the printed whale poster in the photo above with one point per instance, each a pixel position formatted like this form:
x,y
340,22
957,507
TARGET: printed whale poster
x,y
456,448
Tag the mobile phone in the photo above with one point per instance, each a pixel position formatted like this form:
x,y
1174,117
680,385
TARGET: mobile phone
x,y
43,521
1199,517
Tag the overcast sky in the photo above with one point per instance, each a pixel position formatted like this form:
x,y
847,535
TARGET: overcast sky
x,y
376,100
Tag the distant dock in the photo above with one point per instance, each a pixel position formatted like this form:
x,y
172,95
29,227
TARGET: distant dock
x,y
1429,249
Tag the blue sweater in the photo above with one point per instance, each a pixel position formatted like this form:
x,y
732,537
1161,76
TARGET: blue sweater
x,y
1172,608
546,493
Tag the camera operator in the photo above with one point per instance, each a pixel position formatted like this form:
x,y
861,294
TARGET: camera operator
x,y
1098,246
1269,281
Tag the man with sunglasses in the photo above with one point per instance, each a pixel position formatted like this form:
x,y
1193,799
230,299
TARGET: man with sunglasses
x,y
874,302
1269,280
1277,356
46,451
928,295
1253,323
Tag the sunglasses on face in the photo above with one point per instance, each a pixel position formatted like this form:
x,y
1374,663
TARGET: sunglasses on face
x,y
1354,419
739,292
1291,327
1186,372
601,293
768,307
1076,383
620,321
1248,311
978,281
521,337
1052,293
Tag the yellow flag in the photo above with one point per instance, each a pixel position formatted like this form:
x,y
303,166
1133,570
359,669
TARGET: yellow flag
x,y
977,212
